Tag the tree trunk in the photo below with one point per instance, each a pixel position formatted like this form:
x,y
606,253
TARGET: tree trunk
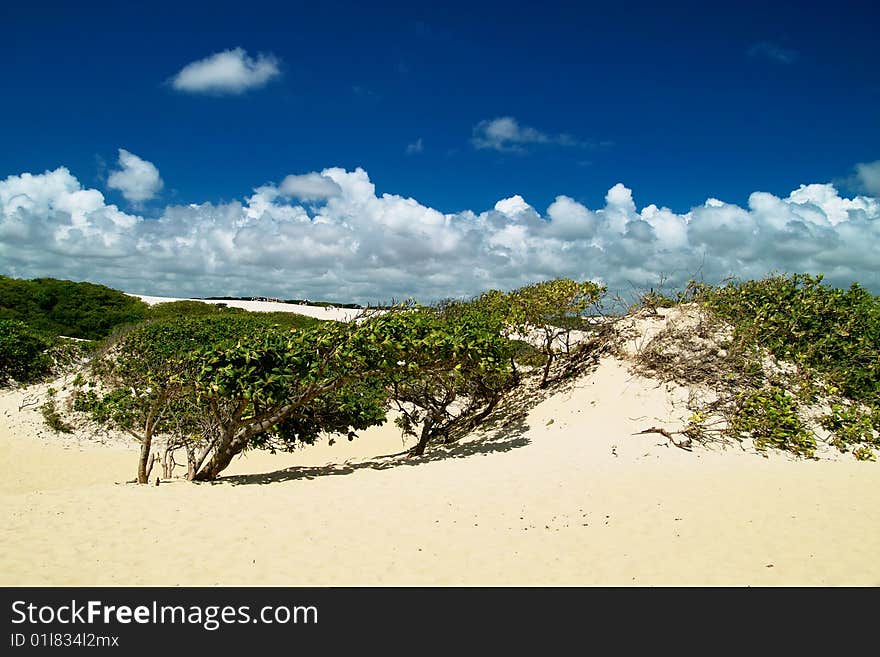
x,y
194,460
144,465
547,369
143,473
168,463
424,439
223,455
191,466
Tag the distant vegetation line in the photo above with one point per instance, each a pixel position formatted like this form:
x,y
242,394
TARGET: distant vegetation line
x,y
298,302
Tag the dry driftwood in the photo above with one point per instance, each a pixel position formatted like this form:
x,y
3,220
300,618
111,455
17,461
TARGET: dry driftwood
x,y
684,444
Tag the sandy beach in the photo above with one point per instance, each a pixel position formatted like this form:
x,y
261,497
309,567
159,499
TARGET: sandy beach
x,y
568,494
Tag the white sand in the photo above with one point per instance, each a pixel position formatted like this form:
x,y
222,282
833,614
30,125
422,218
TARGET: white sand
x,y
566,496
319,312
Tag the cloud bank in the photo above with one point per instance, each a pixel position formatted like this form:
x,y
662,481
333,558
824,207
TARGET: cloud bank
x,y
227,72
137,179
330,235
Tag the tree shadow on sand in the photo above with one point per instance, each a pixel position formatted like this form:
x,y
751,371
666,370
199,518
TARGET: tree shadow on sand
x,y
513,438
504,430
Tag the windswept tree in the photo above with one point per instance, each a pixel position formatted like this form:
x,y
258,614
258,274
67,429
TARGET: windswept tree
x,y
147,381
284,386
455,373
272,390
552,309
219,385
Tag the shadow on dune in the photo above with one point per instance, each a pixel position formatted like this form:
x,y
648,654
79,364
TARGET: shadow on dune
x,y
510,436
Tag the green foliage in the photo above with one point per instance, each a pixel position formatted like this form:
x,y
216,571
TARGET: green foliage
x,y
286,320
53,418
553,303
455,369
67,353
553,308
274,388
23,356
770,416
354,407
864,453
59,307
148,378
151,362
188,308
853,427
119,407
834,331
524,353
831,334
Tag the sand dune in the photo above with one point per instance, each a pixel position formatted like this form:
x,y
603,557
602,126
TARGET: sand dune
x,y
566,494
319,312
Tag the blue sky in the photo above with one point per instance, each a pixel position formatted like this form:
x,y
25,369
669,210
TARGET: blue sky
x,y
680,102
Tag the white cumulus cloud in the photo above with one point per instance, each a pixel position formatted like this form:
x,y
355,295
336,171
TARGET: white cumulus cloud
x,y
137,179
330,234
227,72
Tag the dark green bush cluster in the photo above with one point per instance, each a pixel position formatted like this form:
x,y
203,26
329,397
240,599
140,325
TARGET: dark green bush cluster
x,y
23,356
76,310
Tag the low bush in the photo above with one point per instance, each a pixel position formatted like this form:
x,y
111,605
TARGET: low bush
x,y
23,356
800,319
770,416
53,418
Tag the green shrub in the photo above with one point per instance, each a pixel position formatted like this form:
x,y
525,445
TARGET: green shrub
x,y
797,318
188,308
23,356
524,353
53,419
770,416
551,308
192,309
286,320
852,427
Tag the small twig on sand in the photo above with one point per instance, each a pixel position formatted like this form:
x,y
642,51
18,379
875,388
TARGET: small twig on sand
x,y
684,444
28,401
